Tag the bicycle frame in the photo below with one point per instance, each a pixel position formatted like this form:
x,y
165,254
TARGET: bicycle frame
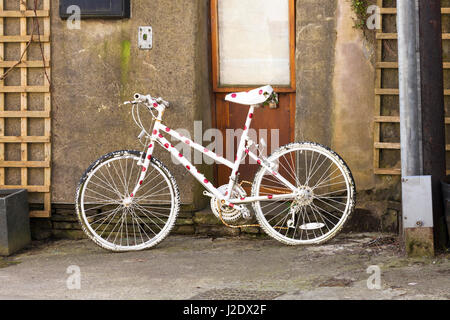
x,y
157,136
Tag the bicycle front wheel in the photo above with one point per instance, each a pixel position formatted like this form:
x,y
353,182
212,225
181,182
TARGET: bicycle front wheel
x,y
325,194
111,217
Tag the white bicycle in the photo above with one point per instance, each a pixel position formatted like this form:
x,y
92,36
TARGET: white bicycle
x,y
128,200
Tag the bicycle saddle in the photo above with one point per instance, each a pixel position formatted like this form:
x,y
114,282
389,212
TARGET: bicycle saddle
x,y
253,97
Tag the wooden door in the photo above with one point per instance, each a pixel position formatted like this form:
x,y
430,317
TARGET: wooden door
x,y
253,44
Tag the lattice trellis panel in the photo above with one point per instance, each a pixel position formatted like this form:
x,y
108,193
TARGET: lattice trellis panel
x,y
25,102
387,120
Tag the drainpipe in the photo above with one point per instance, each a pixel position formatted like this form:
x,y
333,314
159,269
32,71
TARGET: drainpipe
x,y
416,189
409,79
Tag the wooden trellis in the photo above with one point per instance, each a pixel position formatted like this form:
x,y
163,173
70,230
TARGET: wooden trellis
x,y
382,91
14,12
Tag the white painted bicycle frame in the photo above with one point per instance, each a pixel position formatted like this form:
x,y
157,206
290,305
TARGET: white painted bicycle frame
x,y
157,136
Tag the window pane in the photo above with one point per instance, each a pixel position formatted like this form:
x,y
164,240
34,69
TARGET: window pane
x,y
253,42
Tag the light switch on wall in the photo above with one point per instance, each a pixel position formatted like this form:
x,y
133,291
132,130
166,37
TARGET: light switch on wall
x,y
145,38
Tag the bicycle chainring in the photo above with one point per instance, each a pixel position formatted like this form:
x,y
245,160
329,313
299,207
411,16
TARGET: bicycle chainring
x,y
228,214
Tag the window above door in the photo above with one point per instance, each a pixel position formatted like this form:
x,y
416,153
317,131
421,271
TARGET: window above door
x,y
253,44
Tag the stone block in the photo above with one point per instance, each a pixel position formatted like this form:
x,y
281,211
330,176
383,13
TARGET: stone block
x,y
183,230
41,229
69,234
66,226
184,221
419,242
217,231
206,218
252,230
64,218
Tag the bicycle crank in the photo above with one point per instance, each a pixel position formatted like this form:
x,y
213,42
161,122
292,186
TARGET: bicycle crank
x,y
229,214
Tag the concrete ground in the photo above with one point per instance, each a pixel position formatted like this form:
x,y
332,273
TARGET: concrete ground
x,y
184,267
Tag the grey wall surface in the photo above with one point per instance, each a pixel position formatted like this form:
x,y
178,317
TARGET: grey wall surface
x,y
96,68
335,85
316,38
99,66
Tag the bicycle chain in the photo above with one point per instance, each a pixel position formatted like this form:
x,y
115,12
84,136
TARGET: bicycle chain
x,y
270,189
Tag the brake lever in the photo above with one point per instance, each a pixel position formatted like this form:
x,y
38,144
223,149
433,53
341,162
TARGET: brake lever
x,y
163,102
141,135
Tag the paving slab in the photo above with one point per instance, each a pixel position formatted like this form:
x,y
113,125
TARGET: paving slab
x,y
187,267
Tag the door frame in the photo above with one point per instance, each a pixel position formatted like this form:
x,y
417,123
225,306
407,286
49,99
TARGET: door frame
x,y
215,53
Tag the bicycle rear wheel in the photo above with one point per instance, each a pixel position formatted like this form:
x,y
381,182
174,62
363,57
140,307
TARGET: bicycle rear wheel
x,y
325,199
114,219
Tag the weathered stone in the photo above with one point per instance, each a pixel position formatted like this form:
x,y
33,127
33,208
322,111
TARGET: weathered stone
x,y
66,212
69,234
184,221
253,230
183,230
41,229
206,218
362,220
64,206
389,221
217,231
41,223
419,242
186,214
66,226
41,234
372,216
64,218
396,205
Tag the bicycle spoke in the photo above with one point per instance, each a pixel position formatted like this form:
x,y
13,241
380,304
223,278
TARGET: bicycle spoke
x,y
118,221
320,204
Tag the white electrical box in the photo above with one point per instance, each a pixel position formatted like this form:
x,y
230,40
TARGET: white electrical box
x,y
417,202
145,39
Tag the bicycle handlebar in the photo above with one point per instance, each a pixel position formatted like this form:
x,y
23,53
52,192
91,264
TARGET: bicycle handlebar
x,y
149,100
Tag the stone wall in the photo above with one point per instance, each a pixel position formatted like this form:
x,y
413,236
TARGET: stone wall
x,y
64,224
97,67
335,66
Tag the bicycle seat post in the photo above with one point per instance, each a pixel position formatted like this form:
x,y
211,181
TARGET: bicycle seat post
x,y
241,151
